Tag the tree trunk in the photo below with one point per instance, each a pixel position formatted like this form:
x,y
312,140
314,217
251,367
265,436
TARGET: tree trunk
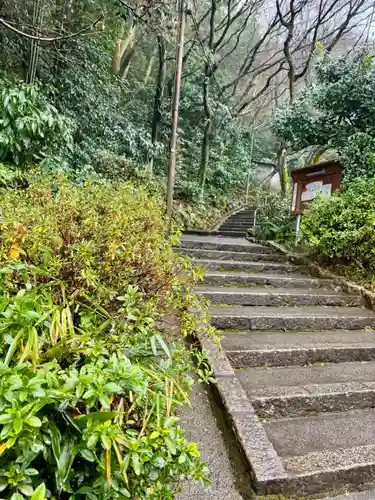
x,y
158,99
123,53
149,69
206,146
35,44
208,113
207,134
283,170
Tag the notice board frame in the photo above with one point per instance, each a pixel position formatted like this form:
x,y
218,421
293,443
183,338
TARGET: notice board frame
x,y
327,174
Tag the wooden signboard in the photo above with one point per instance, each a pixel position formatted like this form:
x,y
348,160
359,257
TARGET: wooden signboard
x,y
309,181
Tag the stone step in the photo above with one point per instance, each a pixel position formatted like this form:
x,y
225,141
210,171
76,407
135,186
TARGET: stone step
x,y
224,255
363,495
313,400
240,233
243,224
236,227
282,392
256,349
233,265
242,215
272,280
277,297
322,452
212,242
265,380
292,318
240,218
341,468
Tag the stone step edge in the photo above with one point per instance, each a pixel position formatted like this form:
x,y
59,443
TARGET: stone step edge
x,y
216,254
357,469
312,400
300,356
362,495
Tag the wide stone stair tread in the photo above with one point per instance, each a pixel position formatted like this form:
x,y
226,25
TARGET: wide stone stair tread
x,y
251,349
277,296
263,380
261,266
237,225
363,495
227,255
233,233
325,312
340,459
222,242
327,431
273,340
292,318
272,280
295,391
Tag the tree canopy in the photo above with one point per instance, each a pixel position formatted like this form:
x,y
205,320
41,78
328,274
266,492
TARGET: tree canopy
x,y
336,112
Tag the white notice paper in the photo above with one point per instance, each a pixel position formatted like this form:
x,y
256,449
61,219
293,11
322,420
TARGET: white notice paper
x,y
327,190
311,190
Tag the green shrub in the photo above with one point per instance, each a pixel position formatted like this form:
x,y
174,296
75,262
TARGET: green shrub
x,y
30,127
341,228
89,380
274,215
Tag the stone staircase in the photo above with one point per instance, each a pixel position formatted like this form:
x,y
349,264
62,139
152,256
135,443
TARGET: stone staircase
x,y
300,388
239,223
236,225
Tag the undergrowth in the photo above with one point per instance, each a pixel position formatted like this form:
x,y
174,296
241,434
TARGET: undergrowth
x,y
89,380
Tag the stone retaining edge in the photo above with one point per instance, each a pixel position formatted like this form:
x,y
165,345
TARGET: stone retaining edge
x,y
268,472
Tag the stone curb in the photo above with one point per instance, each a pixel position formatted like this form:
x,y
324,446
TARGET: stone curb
x,y
267,469
315,269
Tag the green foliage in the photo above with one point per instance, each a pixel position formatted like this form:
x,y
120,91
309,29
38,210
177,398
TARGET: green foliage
x,y
30,127
341,228
337,112
89,379
274,215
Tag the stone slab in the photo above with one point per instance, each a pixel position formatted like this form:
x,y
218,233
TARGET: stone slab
x,y
235,340
328,470
300,356
218,242
276,403
363,495
228,265
327,431
292,318
274,280
277,297
253,379
199,253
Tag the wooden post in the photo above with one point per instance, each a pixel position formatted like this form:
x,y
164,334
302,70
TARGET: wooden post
x,y
175,108
250,161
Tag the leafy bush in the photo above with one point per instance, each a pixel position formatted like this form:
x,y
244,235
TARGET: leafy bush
x,y
274,215
89,379
341,228
30,127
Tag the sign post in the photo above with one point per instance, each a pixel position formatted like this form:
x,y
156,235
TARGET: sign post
x,y
308,182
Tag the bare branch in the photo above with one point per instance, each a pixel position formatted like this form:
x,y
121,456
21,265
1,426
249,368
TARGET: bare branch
x,y
49,39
